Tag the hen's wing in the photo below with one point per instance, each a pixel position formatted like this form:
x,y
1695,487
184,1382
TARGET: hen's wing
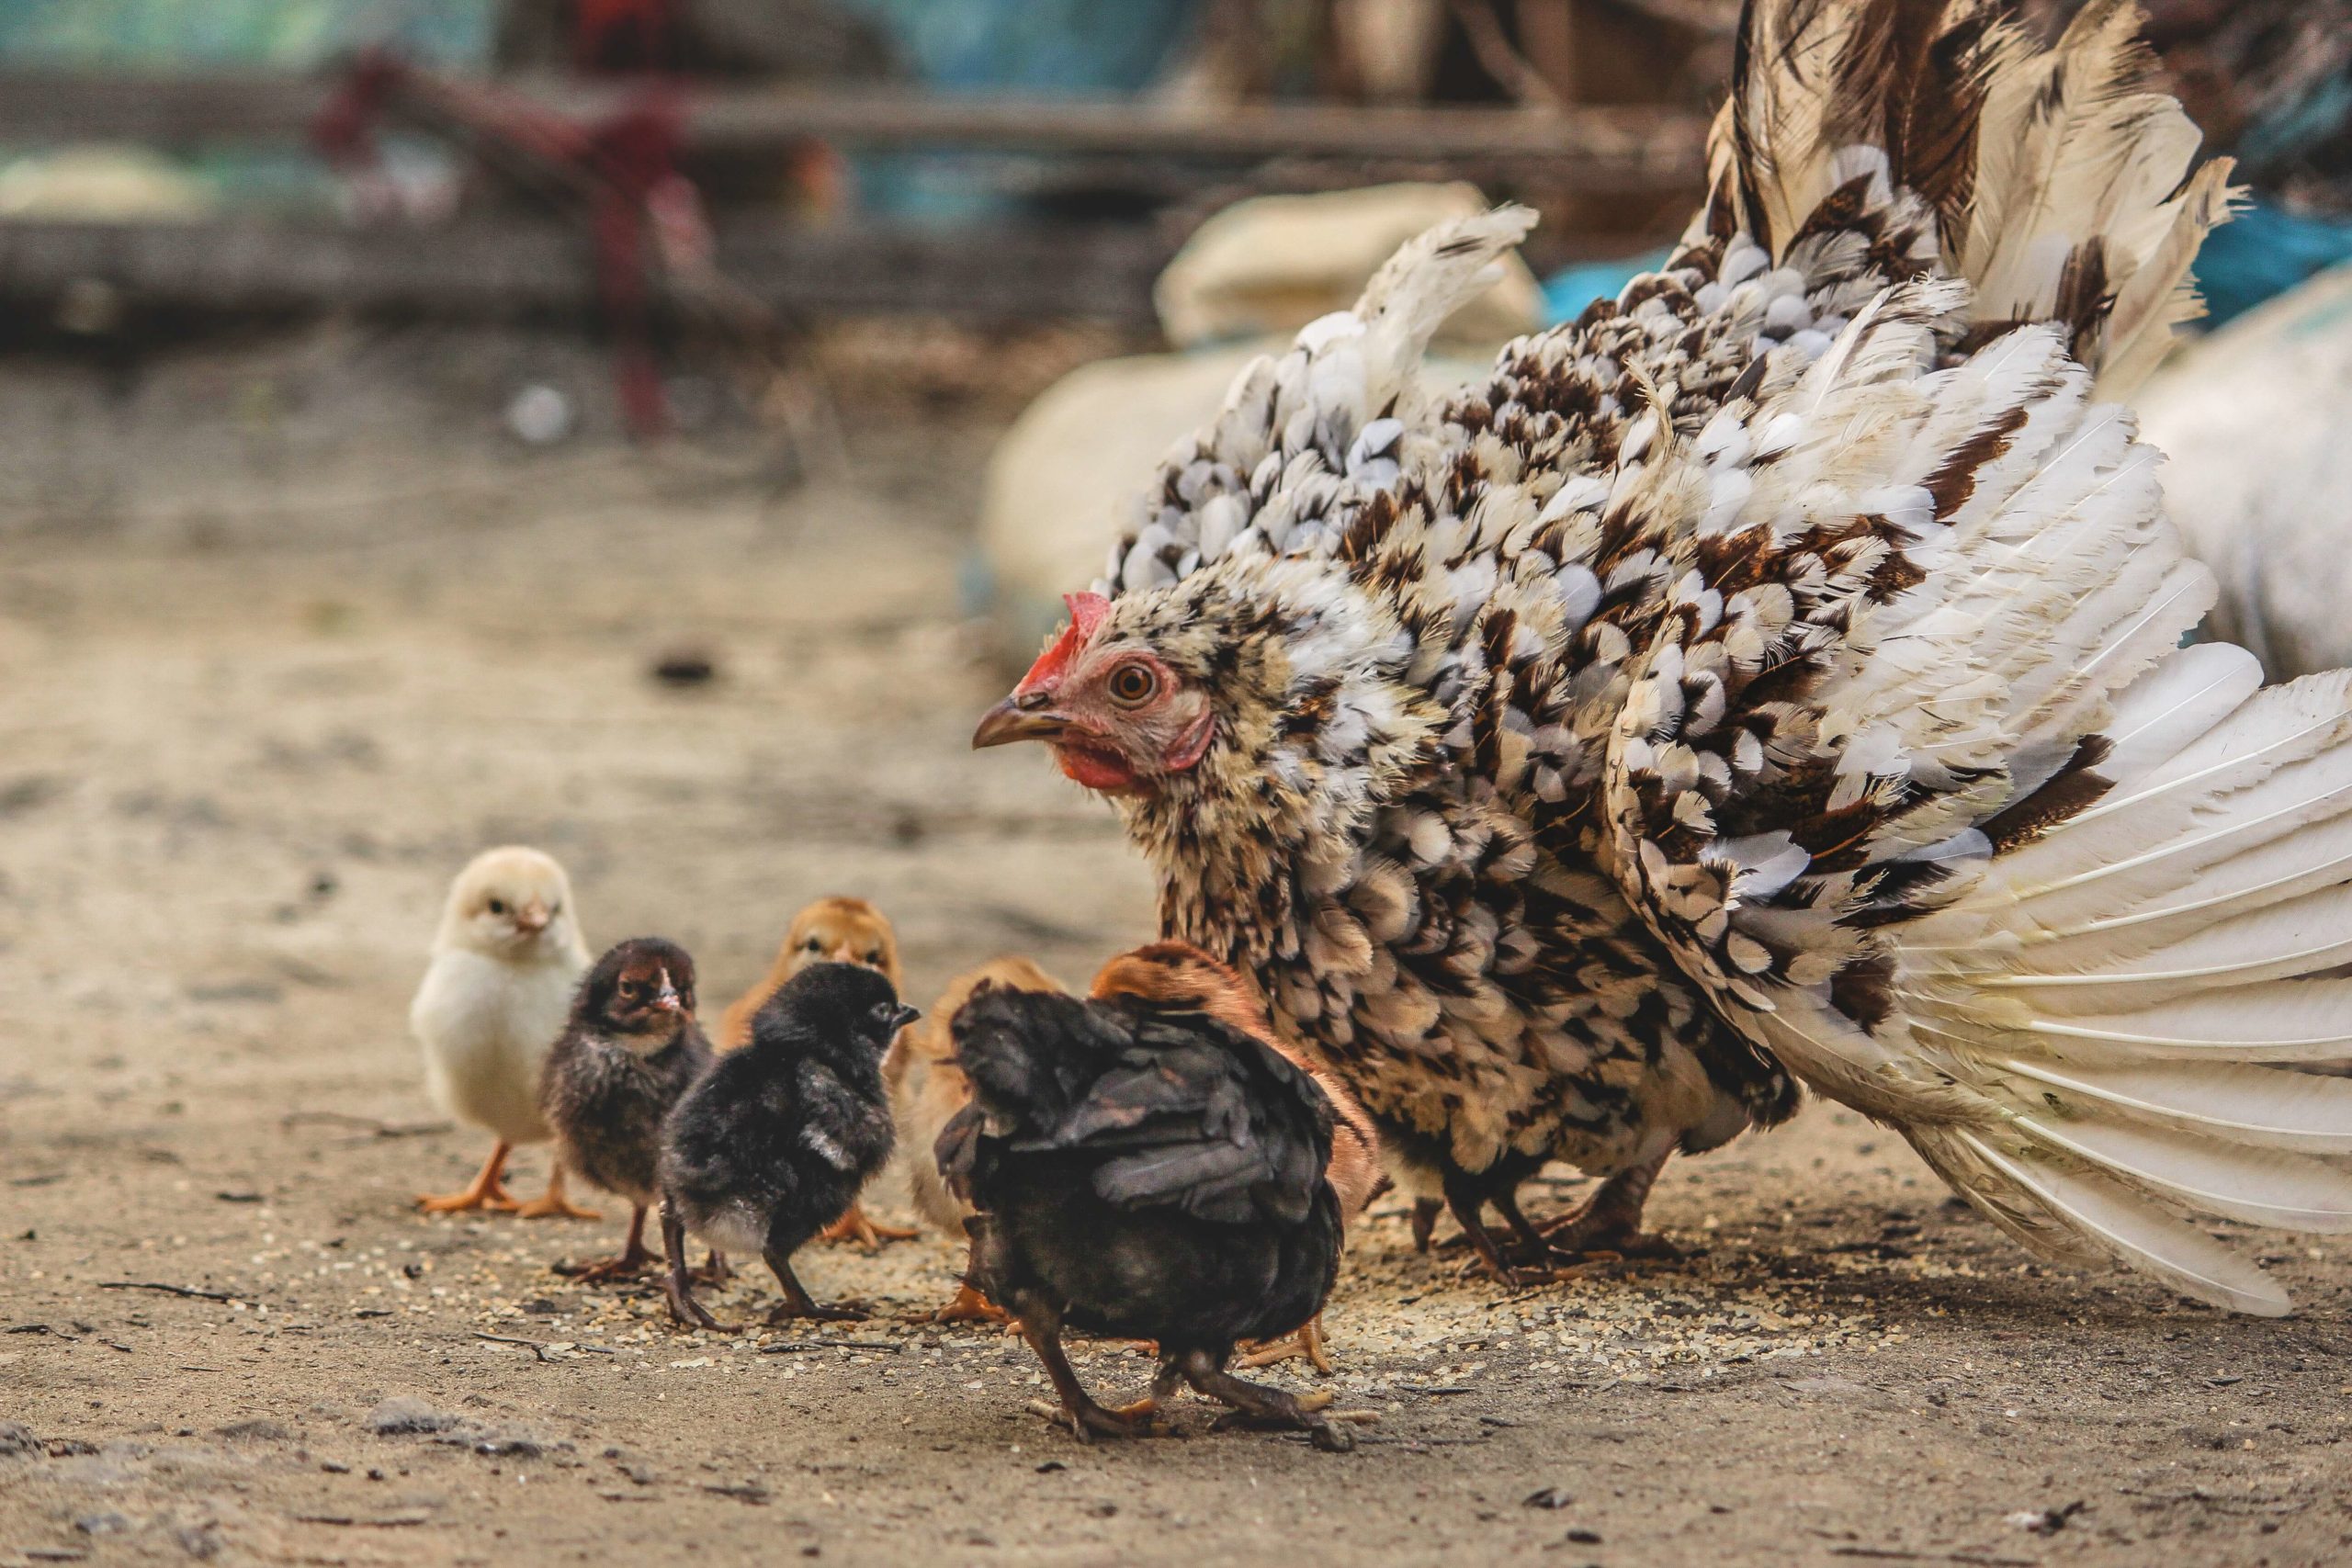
x,y
1916,778
1174,1107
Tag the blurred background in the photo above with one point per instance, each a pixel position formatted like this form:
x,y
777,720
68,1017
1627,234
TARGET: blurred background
x,y
651,428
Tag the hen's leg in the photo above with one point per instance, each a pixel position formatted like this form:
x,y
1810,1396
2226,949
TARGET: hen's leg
x,y
1306,1341
1042,1327
1270,1405
1425,1213
1610,1219
678,1283
550,1204
487,1191
1466,1199
627,1266
857,1225
797,1302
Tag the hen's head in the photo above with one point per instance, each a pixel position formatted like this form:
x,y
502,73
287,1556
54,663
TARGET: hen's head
x,y
1252,690
1119,710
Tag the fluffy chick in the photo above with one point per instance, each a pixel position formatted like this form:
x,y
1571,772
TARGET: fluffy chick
x,y
776,1139
1178,975
927,1089
840,930
1148,1172
630,1054
496,995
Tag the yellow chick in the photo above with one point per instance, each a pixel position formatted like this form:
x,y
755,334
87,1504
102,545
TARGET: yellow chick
x,y
495,999
840,930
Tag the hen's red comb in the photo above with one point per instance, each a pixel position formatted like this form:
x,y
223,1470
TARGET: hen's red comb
x,y
1086,613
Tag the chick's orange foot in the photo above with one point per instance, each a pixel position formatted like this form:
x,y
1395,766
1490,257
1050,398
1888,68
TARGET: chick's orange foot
x,y
968,1305
487,1191
553,1205
1304,1343
858,1226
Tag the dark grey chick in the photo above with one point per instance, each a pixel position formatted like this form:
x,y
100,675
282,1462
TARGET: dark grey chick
x,y
628,1055
776,1141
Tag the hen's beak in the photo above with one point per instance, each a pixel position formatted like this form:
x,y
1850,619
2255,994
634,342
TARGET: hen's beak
x,y
1019,717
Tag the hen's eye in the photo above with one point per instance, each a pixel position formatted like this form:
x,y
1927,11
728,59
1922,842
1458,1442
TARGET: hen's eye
x,y
498,906
1132,685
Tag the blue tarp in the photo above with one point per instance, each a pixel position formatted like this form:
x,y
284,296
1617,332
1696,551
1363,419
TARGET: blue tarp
x,y
290,34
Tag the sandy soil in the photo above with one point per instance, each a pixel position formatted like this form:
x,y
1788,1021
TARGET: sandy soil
x,y
260,693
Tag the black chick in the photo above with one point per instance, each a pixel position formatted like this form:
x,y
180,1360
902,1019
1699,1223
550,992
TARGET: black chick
x,y
774,1142
1147,1172
629,1053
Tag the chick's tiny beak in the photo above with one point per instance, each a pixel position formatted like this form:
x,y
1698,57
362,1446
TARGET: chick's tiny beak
x,y
904,1016
668,1000
531,918
1021,716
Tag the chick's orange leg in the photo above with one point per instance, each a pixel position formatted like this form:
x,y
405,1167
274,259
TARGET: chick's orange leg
x,y
1307,1342
858,1226
633,1260
550,1204
485,1191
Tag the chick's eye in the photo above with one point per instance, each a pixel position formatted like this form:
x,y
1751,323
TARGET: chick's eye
x,y
498,906
814,944
1132,685
875,958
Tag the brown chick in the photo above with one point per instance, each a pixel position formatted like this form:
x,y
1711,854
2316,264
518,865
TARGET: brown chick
x,y
926,1088
840,930
1177,974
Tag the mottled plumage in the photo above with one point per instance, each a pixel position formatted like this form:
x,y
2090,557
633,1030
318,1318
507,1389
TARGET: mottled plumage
x,y
1147,1172
1772,672
773,1143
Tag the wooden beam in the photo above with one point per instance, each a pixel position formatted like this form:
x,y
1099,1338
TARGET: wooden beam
x,y
1601,150
517,268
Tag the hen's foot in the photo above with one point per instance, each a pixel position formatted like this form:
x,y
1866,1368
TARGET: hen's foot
x,y
1609,1223
970,1306
1306,1342
858,1226
1088,1420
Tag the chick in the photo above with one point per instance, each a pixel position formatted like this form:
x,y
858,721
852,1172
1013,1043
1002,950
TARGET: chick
x,y
1144,1171
495,996
632,1051
843,931
1178,975
776,1139
927,1089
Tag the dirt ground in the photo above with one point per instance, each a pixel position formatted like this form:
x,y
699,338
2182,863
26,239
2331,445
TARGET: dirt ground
x,y
276,658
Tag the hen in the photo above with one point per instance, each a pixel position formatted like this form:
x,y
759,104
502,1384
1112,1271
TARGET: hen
x,y
1774,675
1145,1172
